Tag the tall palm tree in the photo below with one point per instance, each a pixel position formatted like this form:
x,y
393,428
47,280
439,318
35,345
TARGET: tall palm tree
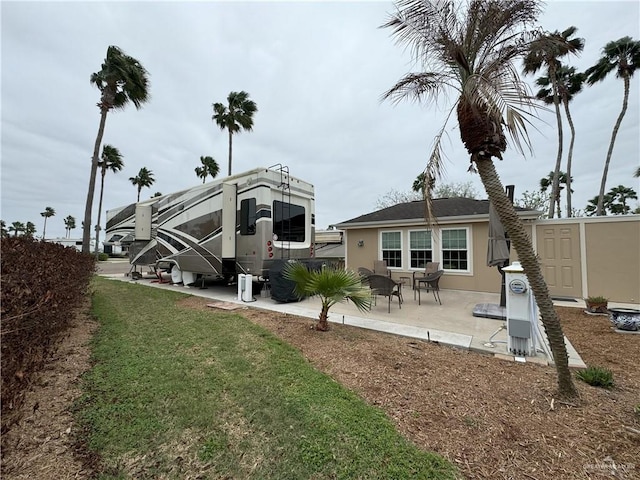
x,y
69,224
569,83
234,117
111,160
544,52
143,179
623,56
121,79
471,49
16,228
48,212
547,182
209,167
332,285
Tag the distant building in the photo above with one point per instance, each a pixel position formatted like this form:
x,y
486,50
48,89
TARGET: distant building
x,y
72,242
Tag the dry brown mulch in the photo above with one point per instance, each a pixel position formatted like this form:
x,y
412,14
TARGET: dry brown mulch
x,y
494,419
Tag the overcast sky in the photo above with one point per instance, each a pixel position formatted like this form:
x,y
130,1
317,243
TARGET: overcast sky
x,y
316,71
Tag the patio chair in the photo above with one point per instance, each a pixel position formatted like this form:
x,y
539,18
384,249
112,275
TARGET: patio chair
x,y
430,267
430,282
385,286
380,268
364,272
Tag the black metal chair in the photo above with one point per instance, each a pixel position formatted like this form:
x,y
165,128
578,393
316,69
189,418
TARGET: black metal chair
x,y
429,282
385,286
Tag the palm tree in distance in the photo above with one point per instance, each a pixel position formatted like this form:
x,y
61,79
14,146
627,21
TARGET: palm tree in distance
x,y
48,212
471,49
209,167
121,79
111,160
621,194
16,228
157,194
143,179
234,117
569,84
547,182
30,230
544,52
69,224
623,56
3,229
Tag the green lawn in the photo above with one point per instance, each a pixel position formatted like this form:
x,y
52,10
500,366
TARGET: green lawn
x,y
180,393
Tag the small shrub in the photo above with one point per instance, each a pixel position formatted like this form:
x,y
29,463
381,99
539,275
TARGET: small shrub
x,y
597,299
103,257
636,409
596,377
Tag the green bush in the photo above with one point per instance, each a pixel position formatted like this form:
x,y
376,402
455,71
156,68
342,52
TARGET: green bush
x,y
103,257
596,377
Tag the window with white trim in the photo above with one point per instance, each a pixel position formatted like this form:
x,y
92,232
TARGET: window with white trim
x,y
392,248
455,254
420,250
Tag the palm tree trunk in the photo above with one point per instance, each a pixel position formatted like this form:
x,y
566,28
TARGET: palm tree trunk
x,y
569,156
44,228
522,243
603,183
99,211
86,225
323,324
230,149
555,186
139,190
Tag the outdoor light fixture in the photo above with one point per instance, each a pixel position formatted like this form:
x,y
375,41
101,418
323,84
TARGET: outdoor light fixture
x,y
361,243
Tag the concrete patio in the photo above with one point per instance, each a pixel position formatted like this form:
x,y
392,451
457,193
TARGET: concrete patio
x,y
451,323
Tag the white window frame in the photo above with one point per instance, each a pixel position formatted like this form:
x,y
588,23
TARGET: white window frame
x,y
401,249
469,249
409,249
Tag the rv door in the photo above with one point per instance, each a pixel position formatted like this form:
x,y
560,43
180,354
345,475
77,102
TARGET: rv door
x,y
144,214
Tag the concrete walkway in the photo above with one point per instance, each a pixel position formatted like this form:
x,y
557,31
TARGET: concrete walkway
x,y
451,323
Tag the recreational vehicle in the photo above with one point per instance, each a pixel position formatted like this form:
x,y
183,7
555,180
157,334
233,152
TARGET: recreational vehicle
x,y
239,224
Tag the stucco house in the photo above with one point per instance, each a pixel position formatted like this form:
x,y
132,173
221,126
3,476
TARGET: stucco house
x,y
579,256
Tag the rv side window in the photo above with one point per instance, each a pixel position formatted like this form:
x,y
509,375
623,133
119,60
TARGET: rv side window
x,y
288,222
248,216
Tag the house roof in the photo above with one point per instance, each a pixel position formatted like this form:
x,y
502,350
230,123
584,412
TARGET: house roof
x,y
444,209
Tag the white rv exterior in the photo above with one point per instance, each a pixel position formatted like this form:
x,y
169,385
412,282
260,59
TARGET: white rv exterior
x,y
238,224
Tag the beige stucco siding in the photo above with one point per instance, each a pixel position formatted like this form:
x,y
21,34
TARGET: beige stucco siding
x,y
579,256
480,277
613,260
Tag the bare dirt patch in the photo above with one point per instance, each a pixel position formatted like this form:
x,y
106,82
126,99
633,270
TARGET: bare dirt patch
x,y
494,419
42,443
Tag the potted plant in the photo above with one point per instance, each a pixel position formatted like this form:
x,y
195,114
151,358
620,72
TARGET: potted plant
x,y
597,304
